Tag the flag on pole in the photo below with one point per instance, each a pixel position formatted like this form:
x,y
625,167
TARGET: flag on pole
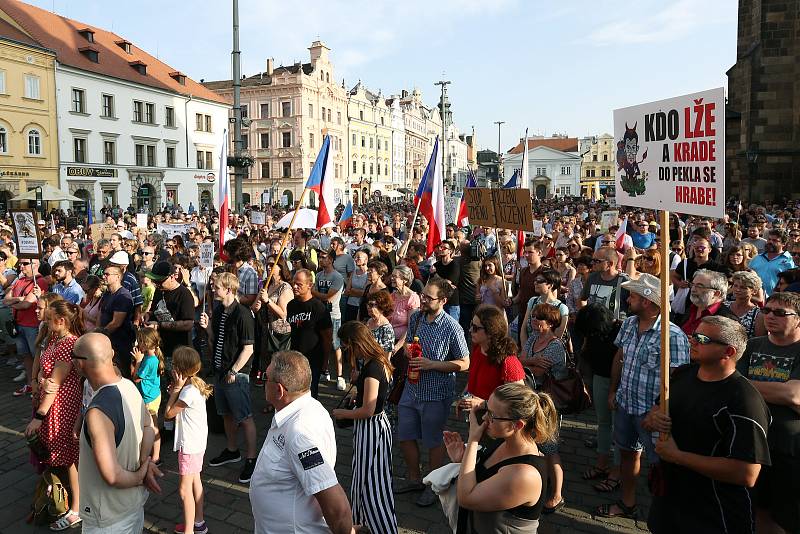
x,y
512,182
462,218
321,182
622,238
89,216
346,220
222,200
431,201
523,182
422,184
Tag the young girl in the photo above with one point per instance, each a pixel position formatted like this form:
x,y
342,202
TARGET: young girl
x,y
148,365
187,404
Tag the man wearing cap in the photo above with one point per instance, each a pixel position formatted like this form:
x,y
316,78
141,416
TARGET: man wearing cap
x,y
636,383
99,261
129,282
172,311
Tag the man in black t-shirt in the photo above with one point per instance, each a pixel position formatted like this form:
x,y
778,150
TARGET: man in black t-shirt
x,y
448,268
172,310
312,333
718,438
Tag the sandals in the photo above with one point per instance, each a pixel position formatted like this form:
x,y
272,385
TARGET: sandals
x,y
595,473
64,523
608,485
629,512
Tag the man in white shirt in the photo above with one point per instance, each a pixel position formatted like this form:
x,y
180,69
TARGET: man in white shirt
x,y
294,489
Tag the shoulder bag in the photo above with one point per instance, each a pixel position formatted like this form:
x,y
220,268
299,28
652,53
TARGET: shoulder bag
x,y
570,394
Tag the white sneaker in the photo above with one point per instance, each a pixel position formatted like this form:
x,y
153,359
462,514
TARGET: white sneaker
x,y
341,385
325,377
19,367
20,377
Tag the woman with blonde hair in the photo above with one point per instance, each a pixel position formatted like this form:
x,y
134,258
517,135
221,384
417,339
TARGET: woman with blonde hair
x,y
746,287
371,490
502,487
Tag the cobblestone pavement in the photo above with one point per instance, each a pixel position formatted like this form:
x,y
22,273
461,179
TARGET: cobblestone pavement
x,y
227,503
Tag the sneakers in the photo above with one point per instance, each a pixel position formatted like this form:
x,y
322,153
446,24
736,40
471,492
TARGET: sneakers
x,y
23,390
325,377
226,457
341,385
20,377
247,471
427,497
198,529
11,360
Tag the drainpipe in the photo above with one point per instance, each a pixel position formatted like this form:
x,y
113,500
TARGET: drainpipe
x,y
186,125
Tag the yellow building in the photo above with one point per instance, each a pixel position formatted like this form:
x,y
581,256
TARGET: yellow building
x,y
597,166
370,136
28,131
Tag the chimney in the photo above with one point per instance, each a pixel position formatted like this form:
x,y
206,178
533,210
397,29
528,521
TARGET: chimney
x,y
270,66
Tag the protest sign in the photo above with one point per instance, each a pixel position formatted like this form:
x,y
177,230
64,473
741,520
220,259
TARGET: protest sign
x,y
72,223
608,219
26,235
102,231
207,255
537,228
479,204
451,205
141,220
512,209
172,229
671,154
258,217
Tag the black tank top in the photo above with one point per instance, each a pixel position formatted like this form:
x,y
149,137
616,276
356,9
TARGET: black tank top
x,y
538,462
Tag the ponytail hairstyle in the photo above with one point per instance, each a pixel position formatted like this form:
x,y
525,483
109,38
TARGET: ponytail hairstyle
x,y
71,313
535,409
186,362
149,339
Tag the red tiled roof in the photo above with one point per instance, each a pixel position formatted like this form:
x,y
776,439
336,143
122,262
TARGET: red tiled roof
x,y
564,144
9,31
60,34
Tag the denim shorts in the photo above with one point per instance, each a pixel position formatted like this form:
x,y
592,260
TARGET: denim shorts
x,y
337,324
423,420
26,340
233,399
630,436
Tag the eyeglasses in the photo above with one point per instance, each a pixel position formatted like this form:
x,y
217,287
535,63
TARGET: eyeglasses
x,y
492,417
72,252
475,328
24,264
778,313
701,286
702,339
649,259
372,304
147,253
540,281
427,297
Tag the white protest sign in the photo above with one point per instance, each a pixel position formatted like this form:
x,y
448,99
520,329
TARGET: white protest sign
x,y
451,205
265,197
258,217
671,154
172,229
207,255
537,228
608,219
141,220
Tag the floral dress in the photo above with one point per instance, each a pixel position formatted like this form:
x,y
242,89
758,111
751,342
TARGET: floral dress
x,y
384,335
56,430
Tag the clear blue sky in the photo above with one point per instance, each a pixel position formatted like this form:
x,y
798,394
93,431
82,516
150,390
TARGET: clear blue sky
x,y
551,66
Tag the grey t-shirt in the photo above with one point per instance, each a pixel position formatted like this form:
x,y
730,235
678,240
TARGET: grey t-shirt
x,y
344,264
759,242
327,283
597,290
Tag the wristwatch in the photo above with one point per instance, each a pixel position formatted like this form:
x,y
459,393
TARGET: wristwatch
x,y
40,417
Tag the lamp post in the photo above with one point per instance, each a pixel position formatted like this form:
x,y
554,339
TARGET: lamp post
x,y
498,123
443,148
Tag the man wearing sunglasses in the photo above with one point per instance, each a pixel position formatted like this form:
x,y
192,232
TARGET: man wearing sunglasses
x,y
772,363
717,437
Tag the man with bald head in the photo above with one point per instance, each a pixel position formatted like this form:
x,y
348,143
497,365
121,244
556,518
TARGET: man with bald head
x,y
116,441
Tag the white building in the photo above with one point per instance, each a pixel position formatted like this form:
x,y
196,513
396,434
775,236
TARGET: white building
x,y
398,144
552,172
132,130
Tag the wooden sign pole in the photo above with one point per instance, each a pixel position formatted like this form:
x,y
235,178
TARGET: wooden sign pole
x,y
665,355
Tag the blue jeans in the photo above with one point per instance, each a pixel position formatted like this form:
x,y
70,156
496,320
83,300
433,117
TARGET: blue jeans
x,y
453,311
605,417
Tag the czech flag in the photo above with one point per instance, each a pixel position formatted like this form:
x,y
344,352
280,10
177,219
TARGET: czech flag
x,y
623,240
321,182
223,205
346,220
431,199
462,219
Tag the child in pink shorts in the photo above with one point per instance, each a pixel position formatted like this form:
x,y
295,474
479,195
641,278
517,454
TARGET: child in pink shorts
x,y
187,404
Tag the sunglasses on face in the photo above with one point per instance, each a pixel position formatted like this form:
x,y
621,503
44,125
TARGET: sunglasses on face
x,y
702,339
595,261
777,312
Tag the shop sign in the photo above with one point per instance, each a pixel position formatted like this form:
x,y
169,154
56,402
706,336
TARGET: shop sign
x,y
14,174
91,172
210,177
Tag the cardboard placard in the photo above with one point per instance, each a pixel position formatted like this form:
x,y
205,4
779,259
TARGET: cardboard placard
x,y
72,223
513,209
480,206
258,217
538,228
26,234
207,255
102,231
141,220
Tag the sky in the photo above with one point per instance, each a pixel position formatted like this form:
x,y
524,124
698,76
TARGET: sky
x,y
553,67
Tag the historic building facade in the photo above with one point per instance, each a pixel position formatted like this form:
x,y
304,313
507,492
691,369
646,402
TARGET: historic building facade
x,y
553,166
597,166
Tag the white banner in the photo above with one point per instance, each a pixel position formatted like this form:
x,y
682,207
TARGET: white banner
x,y
172,229
258,217
207,255
671,154
141,220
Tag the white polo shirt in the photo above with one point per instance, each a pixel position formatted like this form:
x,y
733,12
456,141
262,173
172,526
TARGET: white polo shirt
x,y
296,462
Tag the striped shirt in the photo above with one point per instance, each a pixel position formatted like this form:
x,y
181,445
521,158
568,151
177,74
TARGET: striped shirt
x,y
442,340
640,383
219,340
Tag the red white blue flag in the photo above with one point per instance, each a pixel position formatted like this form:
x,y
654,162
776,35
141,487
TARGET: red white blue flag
x,y
462,219
224,189
431,199
346,220
321,182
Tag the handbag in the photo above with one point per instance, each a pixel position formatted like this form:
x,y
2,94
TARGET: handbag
x,y
347,403
570,394
278,325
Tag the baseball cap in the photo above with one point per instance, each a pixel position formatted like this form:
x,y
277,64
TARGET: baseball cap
x,y
119,258
160,271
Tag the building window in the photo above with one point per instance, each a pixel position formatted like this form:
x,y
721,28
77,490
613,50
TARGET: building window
x,y
371,169
171,157
371,142
108,106
329,115
378,169
287,169
286,109
338,117
169,116
209,160
201,159
79,150
3,140
264,111
265,170
363,141
381,121
151,155
34,143
363,168
593,173
379,143
361,115
109,152
594,157
79,101
286,139
311,110
354,139
322,116
244,110
588,174
386,169
138,111
139,153
245,142
605,157
150,113
355,168
541,171
32,87
566,169
2,82
264,140
198,122
311,140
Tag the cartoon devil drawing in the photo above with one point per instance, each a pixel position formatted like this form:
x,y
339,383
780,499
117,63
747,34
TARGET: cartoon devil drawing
x,y
633,182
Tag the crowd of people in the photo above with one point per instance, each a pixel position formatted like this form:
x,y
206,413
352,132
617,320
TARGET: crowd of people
x,y
119,342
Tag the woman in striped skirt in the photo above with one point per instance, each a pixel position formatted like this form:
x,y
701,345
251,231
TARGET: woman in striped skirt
x,y
371,490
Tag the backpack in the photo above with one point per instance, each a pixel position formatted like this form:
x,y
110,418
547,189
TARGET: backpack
x,y
50,499
477,250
